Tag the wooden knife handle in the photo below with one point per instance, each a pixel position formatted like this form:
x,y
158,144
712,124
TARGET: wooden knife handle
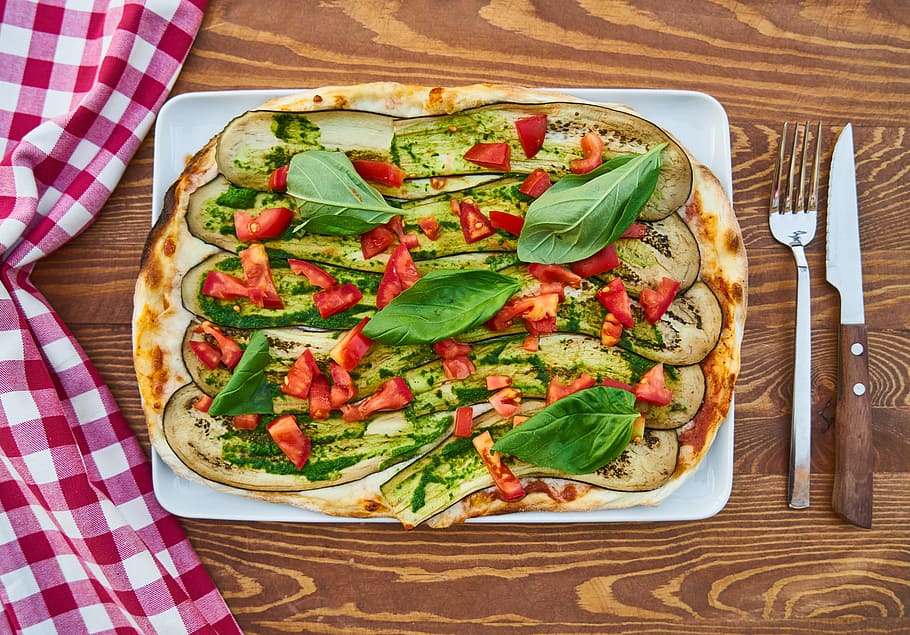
x,y
852,497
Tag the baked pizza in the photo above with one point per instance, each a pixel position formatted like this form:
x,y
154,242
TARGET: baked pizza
x,y
434,304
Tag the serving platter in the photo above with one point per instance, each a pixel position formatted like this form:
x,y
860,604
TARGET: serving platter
x,y
189,121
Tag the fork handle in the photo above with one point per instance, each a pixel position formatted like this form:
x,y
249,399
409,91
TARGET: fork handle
x,y
801,424
852,498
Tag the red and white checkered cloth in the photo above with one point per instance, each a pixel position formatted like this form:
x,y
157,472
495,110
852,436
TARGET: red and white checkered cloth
x,y
84,545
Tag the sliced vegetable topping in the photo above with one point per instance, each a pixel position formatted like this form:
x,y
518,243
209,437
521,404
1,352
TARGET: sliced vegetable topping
x,y
278,180
247,391
653,388
317,276
506,402
474,225
615,300
509,485
592,147
400,274
495,156
464,421
351,346
230,350
336,299
655,302
531,132
269,223
207,354
596,264
536,183
224,286
258,274
291,439
376,241
507,222
300,377
392,395
380,172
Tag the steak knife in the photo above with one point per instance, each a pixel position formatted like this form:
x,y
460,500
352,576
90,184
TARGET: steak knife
x,y
852,498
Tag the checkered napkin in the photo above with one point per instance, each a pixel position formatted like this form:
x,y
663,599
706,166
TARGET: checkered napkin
x,y
84,546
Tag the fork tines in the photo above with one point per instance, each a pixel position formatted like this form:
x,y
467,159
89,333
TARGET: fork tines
x,y
799,202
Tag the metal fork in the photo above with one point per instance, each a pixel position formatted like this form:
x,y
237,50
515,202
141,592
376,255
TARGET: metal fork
x,y
793,224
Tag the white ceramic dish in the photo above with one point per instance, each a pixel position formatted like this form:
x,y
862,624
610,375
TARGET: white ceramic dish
x,y
188,121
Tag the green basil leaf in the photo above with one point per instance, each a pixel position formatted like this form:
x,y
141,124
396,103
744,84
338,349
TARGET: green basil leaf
x,y
582,213
578,434
332,197
441,304
247,391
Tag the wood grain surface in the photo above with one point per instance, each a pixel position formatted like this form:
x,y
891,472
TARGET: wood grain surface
x,y
757,566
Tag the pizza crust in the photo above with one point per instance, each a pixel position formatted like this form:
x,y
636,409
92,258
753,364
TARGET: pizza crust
x,y
159,318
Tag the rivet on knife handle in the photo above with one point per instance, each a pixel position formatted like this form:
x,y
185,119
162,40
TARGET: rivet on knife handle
x,y
852,497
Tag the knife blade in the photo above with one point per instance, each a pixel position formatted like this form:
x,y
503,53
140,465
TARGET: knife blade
x,y
852,497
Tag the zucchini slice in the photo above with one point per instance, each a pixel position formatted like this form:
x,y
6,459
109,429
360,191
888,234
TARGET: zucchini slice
x,y
341,452
257,142
454,470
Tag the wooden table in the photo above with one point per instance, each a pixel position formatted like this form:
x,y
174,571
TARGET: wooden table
x,y
757,566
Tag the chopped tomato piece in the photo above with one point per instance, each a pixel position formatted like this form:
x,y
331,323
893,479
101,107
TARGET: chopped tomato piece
x,y
258,274
397,226
351,346
531,343
392,395
291,439
509,486
495,382
320,400
224,286
429,227
400,274
336,299
556,390
342,385
533,308
614,299
464,421
536,183
603,260
317,276
207,354
507,222
380,172
653,388
269,223
203,403
615,383
230,350
611,330
300,376
495,156
246,422
541,326
278,180
655,302
553,287
474,225
635,230
517,420
554,273
376,241
531,132
592,146
458,367
506,402
638,429
449,348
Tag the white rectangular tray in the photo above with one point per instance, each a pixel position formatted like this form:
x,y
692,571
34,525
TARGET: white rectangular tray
x,y
189,121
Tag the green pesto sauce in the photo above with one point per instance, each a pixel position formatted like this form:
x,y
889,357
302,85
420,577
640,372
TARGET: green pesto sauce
x,y
237,197
295,128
